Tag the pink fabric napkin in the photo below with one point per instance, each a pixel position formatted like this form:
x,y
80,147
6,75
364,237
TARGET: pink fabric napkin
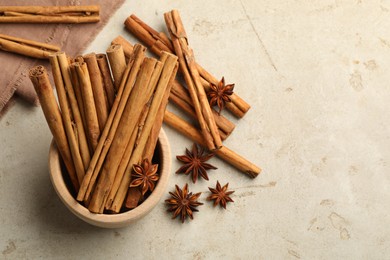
x,y
72,38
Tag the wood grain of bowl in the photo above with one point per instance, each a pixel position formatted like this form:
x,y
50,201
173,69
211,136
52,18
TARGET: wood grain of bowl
x,y
58,178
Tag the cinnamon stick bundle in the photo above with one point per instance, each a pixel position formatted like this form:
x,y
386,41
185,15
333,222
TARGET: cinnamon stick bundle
x,y
192,78
125,88
224,153
126,126
180,97
134,140
169,69
158,42
134,194
67,117
27,47
77,118
49,14
40,80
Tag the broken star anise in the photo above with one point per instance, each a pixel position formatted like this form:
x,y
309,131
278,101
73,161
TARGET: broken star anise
x,y
144,175
195,163
220,195
219,94
183,203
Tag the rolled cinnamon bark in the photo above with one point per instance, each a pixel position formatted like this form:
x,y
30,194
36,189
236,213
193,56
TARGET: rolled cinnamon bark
x,y
117,59
99,95
224,153
107,79
49,14
40,80
26,47
191,75
91,117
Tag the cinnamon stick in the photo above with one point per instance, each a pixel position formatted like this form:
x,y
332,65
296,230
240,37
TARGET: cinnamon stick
x,y
40,80
115,115
117,60
77,91
26,47
67,117
166,75
107,79
78,121
126,46
91,118
192,78
99,95
49,14
125,129
155,40
181,97
224,153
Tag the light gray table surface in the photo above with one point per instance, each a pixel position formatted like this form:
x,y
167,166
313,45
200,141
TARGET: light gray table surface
x,y
317,76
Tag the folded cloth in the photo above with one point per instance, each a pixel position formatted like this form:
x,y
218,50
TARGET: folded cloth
x,y
72,38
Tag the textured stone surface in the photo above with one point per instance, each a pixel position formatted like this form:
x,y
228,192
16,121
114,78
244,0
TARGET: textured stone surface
x,y
317,77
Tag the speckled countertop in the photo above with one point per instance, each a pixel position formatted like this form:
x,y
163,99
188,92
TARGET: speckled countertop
x,y
317,76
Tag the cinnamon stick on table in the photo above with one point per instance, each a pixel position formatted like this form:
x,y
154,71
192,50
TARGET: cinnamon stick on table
x,y
158,42
40,80
224,153
27,47
191,75
180,97
49,14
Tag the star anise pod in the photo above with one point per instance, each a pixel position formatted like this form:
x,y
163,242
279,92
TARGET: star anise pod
x,y
195,163
144,175
219,94
220,195
183,203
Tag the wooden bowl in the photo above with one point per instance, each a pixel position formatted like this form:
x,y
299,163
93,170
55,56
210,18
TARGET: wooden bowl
x,y
163,154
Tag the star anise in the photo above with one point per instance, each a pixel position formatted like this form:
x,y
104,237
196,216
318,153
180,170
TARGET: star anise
x,y
183,203
220,195
195,163
219,94
144,175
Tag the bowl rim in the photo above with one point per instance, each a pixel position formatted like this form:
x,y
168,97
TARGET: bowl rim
x,y
111,220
